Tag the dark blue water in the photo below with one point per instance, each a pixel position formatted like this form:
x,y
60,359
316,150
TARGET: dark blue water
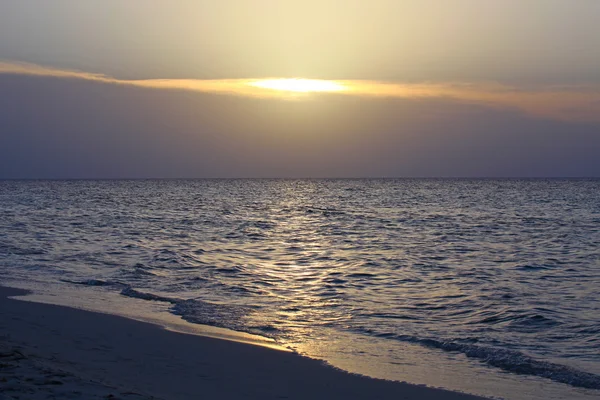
x,y
504,272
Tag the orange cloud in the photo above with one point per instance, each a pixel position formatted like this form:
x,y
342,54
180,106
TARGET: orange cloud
x,y
568,103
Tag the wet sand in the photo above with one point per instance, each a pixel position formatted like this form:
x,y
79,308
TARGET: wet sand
x,y
49,351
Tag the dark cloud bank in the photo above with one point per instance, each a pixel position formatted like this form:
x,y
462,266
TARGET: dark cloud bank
x,y
64,128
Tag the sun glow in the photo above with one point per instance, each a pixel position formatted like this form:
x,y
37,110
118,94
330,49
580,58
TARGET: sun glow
x,y
299,85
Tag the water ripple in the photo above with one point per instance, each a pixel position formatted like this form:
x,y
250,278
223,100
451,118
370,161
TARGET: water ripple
x,y
513,265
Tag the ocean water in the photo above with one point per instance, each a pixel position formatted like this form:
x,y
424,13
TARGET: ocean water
x,y
485,286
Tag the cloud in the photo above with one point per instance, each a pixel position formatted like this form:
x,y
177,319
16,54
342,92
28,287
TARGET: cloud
x,y
77,128
565,103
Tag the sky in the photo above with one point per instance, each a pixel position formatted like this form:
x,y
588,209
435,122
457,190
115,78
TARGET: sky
x,y
312,88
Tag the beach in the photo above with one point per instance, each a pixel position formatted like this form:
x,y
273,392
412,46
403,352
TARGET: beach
x,y
49,351
400,280
300,199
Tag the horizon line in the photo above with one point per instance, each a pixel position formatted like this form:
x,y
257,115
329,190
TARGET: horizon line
x,y
591,177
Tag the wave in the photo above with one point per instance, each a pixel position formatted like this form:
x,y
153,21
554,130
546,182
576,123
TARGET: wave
x,y
9,249
229,270
235,317
130,292
507,360
93,282
532,267
519,363
519,321
202,312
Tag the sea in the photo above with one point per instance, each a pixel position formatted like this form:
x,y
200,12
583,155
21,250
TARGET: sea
x,y
485,286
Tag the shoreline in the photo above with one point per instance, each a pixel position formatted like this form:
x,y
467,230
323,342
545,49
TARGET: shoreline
x,y
87,354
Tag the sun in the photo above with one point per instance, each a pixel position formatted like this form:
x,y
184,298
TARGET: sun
x,y
298,85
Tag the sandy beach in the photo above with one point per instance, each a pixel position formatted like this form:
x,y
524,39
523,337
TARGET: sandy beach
x,y
49,352
300,199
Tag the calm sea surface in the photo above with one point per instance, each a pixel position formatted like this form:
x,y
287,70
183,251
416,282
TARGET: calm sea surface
x,y
499,277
